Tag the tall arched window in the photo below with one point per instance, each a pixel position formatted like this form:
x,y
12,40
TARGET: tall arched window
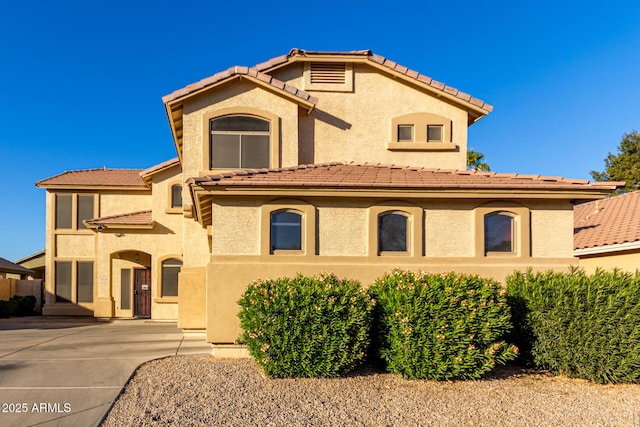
x,y
286,231
498,232
392,232
170,269
239,141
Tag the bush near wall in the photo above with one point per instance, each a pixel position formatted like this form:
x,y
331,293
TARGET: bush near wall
x,y
306,326
17,306
440,327
579,325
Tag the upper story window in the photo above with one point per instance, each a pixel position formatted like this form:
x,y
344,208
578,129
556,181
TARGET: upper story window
x,y
498,232
421,131
239,141
286,231
72,209
176,196
392,232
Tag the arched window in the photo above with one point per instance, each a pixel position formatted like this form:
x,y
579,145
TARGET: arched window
x,y
239,141
286,231
170,269
498,232
176,196
392,232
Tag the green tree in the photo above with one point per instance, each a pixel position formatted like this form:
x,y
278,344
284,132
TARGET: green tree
x,y
475,161
623,166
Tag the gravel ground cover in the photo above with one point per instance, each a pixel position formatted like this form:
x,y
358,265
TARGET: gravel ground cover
x,y
202,390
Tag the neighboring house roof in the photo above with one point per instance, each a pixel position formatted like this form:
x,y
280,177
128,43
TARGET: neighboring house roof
x,y
95,178
7,266
39,254
371,179
140,219
259,74
607,225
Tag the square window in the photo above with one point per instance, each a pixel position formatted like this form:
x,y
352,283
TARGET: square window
x,y
434,133
405,133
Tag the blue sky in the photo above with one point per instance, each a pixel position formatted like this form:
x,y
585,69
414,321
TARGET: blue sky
x,y
81,82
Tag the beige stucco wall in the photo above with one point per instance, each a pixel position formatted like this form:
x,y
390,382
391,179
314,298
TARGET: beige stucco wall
x,y
357,126
344,242
627,261
121,202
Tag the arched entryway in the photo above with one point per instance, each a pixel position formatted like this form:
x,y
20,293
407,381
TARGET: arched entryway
x,y
131,283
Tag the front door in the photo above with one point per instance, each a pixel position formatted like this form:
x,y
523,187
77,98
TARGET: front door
x,y
142,292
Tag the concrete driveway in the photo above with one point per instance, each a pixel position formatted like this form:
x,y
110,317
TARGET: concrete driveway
x,y
68,372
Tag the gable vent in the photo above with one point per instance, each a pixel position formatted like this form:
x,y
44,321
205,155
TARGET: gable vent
x,y
328,73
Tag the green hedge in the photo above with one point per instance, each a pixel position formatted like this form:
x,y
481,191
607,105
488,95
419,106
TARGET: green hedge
x,y
440,327
306,326
579,325
17,306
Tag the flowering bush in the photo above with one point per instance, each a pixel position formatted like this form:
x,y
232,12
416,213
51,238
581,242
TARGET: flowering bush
x,y
440,327
579,325
306,326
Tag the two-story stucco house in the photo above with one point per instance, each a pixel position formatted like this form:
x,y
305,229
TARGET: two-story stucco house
x,y
341,162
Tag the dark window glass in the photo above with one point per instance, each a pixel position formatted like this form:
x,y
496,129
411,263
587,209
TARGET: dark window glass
x,y
286,231
434,133
239,142
405,133
85,281
176,196
170,270
63,281
85,210
392,232
125,288
63,211
239,124
498,233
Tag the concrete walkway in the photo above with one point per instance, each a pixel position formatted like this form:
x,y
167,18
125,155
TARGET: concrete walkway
x,y
68,372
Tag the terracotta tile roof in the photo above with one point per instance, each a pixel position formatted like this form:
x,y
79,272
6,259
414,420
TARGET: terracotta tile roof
x,y
7,266
134,218
235,71
607,222
96,177
156,168
387,63
261,70
367,175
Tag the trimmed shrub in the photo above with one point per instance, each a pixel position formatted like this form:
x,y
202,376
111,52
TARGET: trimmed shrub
x,y
25,304
440,327
8,308
579,325
306,326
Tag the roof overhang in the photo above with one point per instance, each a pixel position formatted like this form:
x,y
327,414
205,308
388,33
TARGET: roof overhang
x,y
607,249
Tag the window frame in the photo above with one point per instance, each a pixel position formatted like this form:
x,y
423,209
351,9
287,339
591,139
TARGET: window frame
x,y
307,227
420,140
74,278
521,239
300,215
171,209
415,228
512,231
274,136
163,265
407,225
75,220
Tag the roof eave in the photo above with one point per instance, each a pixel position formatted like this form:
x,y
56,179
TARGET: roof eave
x,y
602,249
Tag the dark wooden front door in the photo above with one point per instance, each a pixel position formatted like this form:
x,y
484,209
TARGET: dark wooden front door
x,y
142,292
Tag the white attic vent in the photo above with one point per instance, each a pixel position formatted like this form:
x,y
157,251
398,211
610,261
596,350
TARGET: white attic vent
x,y
328,76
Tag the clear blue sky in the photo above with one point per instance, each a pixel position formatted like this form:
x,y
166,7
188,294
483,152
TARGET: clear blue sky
x,y
81,82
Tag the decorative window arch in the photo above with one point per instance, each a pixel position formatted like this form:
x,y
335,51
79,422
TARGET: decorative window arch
x,y
502,229
393,228
239,141
169,283
286,230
